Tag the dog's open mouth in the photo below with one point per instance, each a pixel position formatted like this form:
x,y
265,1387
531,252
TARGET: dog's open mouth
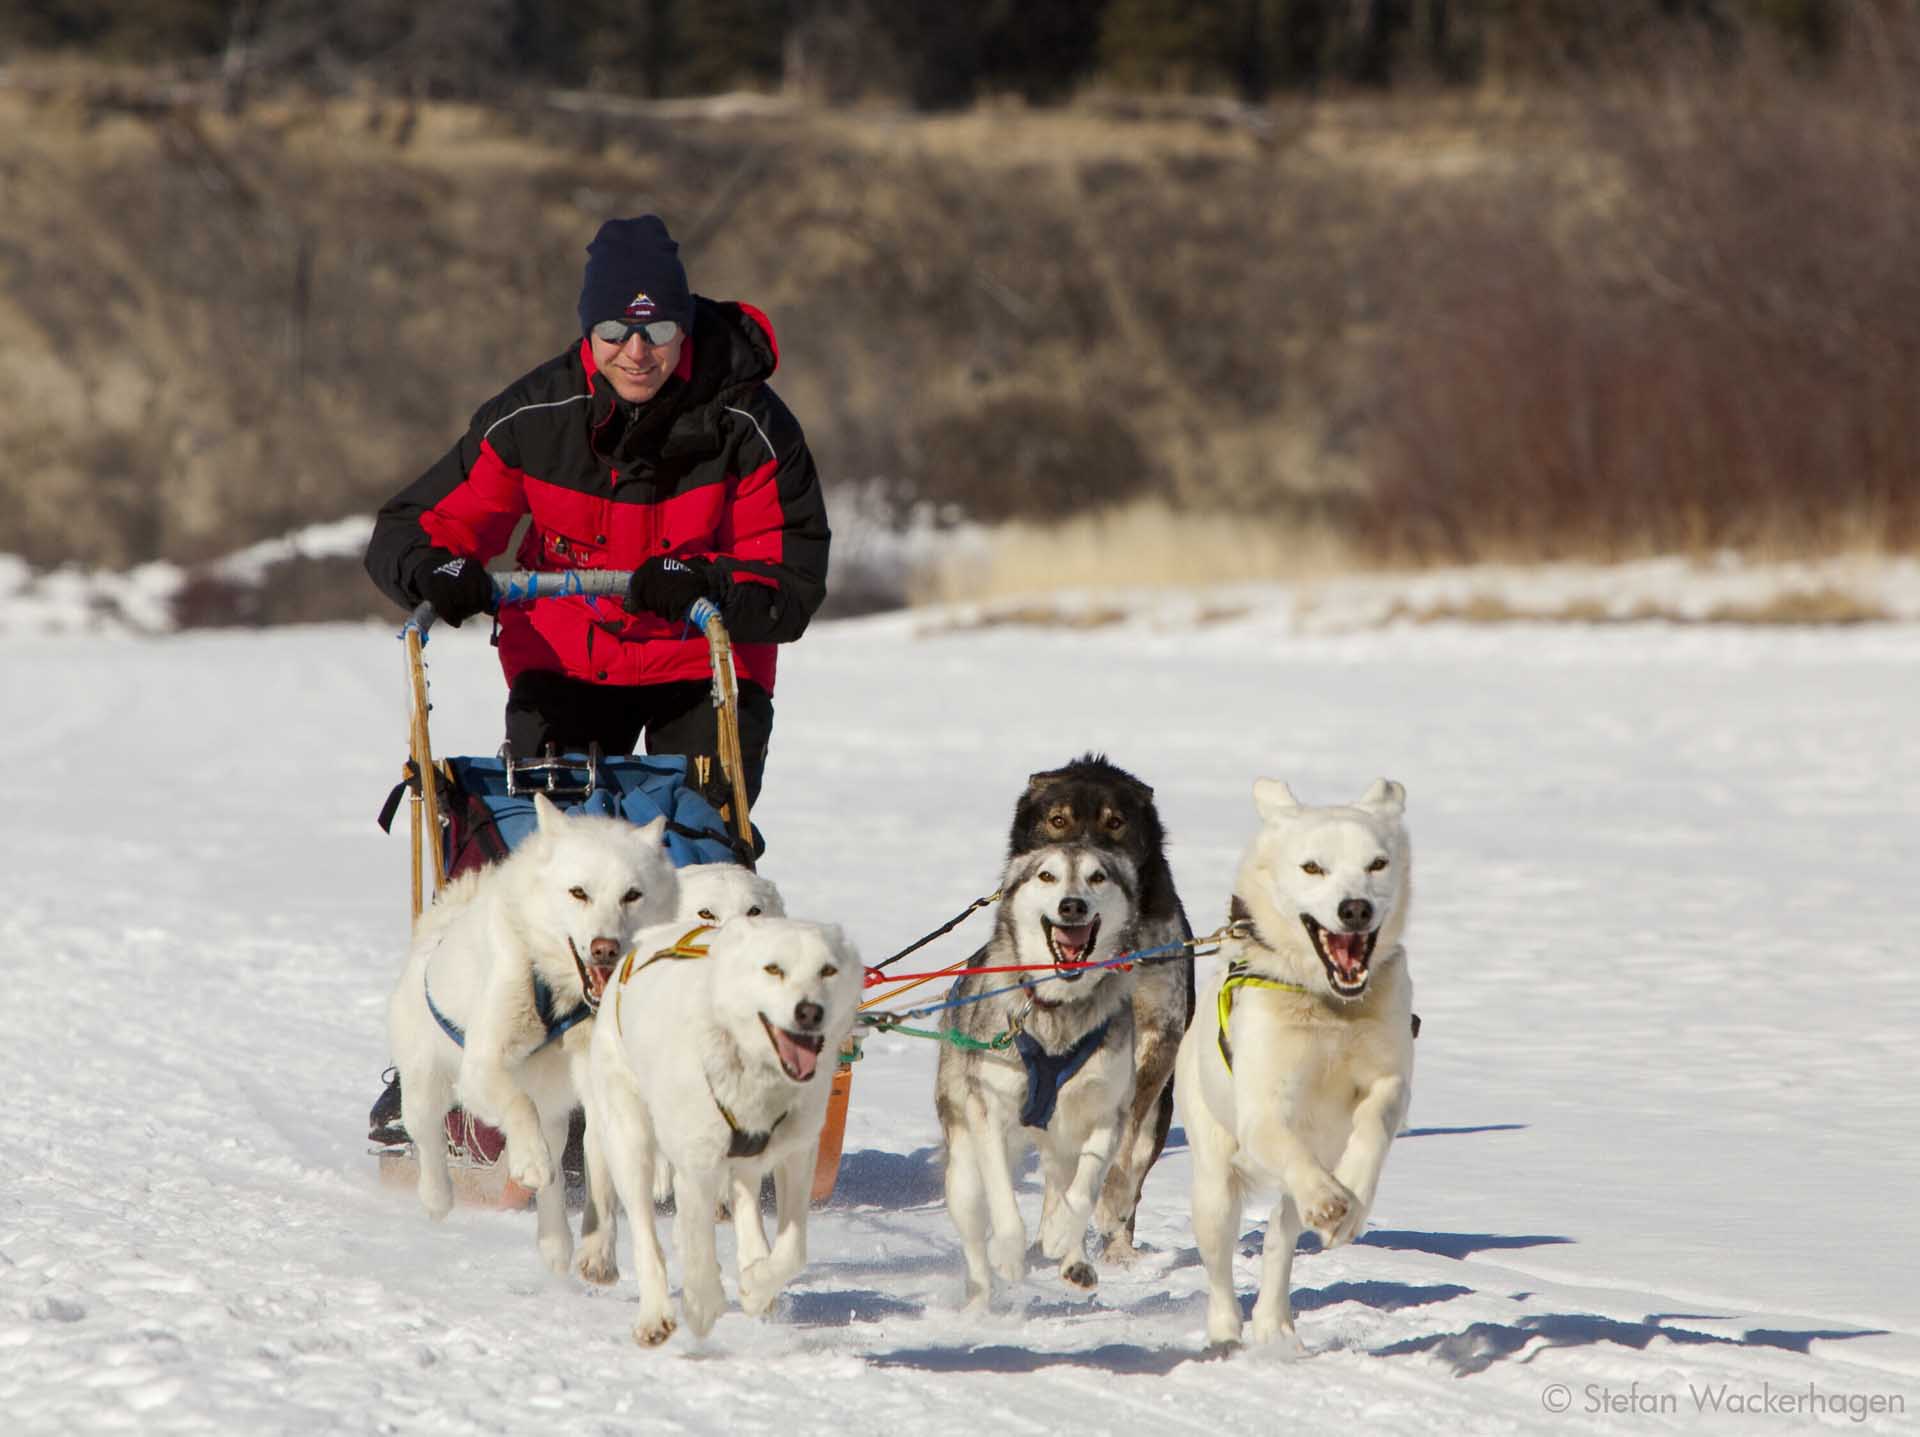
x,y
594,977
1344,955
799,1053
1070,944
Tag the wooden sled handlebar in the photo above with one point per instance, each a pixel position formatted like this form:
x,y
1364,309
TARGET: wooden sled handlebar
x,y
524,586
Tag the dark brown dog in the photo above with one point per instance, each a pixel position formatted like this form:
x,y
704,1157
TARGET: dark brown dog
x,y
1093,801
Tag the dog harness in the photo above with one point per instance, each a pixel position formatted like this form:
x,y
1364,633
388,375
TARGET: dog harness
x,y
742,1142
1240,976
1048,1073
682,947
556,1025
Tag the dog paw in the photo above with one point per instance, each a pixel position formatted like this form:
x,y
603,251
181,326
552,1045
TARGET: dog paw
x,y
1062,1231
662,1183
558,1252
1118,1249
1349,1227
1223,1322
1271,1329
1007,1255
1354,1223
652,1331
530,1166
1324,1206
759,1286
1079,1273
702,1306
597,1263
436,1196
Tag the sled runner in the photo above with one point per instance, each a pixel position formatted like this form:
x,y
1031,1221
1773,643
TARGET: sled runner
x,y
466,812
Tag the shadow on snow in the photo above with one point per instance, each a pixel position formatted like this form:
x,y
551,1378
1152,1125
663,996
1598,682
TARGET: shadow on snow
x,y
846,1307
1459,1132
1381,1296
1481,1345
870,1178
1118,1357
1456,1245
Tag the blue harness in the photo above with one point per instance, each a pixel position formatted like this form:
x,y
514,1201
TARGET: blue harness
x,y
542,1005
1048,1073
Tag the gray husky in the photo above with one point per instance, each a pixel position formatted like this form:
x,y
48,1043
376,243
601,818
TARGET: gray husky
x,y
1091,800
1061,1078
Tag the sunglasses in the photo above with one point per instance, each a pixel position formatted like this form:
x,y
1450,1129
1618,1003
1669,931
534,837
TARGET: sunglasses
x,y
657,333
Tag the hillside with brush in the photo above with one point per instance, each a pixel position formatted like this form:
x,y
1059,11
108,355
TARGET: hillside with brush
x,y
1596,321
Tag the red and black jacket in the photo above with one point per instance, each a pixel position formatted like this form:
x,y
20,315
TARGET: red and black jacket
x,y
714,466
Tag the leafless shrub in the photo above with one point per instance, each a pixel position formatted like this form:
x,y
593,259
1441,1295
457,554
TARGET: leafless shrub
x,y
303,591
1032,458
208,601
1721,351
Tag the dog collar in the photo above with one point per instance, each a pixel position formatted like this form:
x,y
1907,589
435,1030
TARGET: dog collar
x,y
543,1005
1239,976
1034,998
743,1143
1239,915
1048,1073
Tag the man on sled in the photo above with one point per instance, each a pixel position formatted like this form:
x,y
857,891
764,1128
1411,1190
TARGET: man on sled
x,y
655,444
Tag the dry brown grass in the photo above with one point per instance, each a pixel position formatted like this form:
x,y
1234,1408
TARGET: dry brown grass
x,y
1145,545
1032,616
1817,608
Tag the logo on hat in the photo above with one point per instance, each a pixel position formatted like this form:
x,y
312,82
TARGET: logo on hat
x,y
641,306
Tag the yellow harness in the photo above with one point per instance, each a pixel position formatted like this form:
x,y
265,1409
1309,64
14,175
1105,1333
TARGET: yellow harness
x,y
1238,976
741,1143
683,947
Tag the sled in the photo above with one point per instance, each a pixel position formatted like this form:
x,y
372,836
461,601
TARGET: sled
x,y
464,812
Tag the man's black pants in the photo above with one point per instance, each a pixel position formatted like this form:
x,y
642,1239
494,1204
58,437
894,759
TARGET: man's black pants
x,y
677,718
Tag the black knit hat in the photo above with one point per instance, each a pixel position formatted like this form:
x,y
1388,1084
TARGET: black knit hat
x,y
634,273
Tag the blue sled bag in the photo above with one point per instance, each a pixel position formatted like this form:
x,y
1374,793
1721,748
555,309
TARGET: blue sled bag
x,y
489,805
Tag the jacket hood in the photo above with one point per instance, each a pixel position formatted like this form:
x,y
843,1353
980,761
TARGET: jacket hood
x,y
731,349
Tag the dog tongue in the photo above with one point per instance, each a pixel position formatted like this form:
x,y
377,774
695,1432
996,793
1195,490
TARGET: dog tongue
x,y
597,977
1072,942
798,1058
1349,951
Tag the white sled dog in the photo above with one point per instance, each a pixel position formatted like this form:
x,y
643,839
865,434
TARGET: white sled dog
x,y
1298,1068
1063,1084
710,894
494,1009
714,892
721,1063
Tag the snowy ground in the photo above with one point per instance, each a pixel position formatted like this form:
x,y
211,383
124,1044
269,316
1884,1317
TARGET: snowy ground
x,y
1662,1149
879,552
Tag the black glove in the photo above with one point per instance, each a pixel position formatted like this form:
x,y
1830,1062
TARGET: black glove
x,y
457,588
669,587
